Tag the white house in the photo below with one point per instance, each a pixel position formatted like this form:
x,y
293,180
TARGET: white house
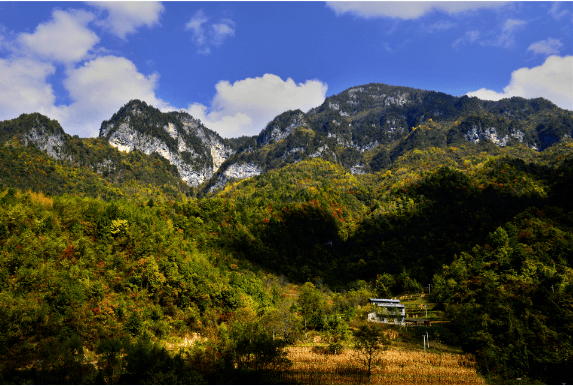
x,y
388,311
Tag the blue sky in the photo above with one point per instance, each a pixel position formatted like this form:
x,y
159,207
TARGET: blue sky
x,y
236,65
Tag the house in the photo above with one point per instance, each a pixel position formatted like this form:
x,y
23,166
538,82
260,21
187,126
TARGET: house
x,y
388,311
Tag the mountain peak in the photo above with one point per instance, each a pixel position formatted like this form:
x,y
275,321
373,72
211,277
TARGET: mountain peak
x,y
195,150
282,126
37,129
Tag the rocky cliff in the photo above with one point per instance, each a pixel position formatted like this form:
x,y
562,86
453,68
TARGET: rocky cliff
x,y
196,151
364,129
38,130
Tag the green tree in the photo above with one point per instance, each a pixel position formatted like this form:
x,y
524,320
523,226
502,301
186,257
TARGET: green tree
x,y
370,342
109,351
384,283
311,303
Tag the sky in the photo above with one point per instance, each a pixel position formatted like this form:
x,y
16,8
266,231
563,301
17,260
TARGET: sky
x,y
236,65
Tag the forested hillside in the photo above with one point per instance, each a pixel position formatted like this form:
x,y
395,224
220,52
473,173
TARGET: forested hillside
x,y
88,166
368,128
78,272
114,270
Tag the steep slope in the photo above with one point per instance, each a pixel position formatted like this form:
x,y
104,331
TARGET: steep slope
x,y
289,138
39,131
367,128
196,151
315,219
36,154
363,129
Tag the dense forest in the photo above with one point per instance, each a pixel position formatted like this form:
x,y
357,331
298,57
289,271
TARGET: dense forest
x,y
493,235
113,270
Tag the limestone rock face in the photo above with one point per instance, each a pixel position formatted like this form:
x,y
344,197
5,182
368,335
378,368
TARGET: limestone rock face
x,y
236,171
196,151
357,169
476,134
282,126
51,143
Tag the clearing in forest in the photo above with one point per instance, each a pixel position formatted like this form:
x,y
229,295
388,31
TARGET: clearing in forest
x,y
396,367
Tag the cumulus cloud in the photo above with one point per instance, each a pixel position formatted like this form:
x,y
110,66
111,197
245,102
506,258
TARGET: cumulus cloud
x,y
65,38
24,88
126,16
406,9
99,88
206,36
553,80
546,47
246,106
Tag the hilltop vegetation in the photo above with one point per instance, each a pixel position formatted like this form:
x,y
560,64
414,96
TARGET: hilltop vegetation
x,y
368,128
108,260
484,230
88,166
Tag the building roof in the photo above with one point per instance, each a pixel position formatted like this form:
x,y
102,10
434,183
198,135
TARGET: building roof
x,y
384,300
387,303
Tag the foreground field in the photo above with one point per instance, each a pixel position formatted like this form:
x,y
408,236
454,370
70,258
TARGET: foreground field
x,y
398,367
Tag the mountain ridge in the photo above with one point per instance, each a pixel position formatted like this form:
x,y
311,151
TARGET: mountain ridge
x,y
364,129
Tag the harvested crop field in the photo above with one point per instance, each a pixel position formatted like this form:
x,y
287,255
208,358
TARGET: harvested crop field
x,y
396,367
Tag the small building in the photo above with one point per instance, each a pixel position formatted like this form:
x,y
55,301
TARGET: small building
x,y
387,311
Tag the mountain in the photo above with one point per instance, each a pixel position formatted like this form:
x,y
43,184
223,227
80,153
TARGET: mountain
x,y
196,151
367,128
364,129
106,253
39,131
36,154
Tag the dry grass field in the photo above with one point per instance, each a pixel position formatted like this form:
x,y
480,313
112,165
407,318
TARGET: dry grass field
x,y
397,367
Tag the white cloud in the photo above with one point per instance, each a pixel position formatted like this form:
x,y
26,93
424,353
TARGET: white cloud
x,y
546,47
507,37
23,87
440,26
246,106
407,9
214,35
65,38
504,37
553,80
195,25
99,88
469,37
126,16
220,32
556,12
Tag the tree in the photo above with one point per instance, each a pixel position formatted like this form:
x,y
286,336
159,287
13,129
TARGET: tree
x,y
311,303
110,353
370,342
337,332
384,283
280,321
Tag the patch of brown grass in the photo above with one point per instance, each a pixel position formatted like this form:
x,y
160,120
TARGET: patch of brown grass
x,y
396,367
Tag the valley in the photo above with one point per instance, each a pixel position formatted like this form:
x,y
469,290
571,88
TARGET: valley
x,y
116,252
